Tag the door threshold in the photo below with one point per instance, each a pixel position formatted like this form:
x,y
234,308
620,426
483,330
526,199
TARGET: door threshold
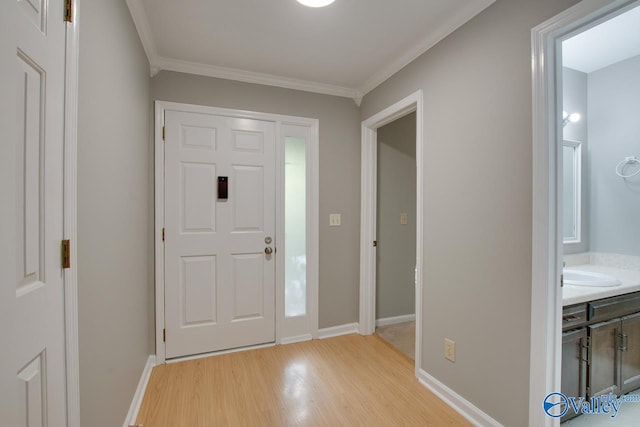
x,y
219,353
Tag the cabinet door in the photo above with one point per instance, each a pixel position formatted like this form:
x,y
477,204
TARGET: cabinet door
x,y
604,375
573,368
630,353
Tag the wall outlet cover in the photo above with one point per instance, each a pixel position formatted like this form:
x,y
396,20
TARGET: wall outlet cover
x,y
334,220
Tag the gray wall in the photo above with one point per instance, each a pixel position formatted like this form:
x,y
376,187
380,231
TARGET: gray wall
x,y
614,133
396,252
339,171
574,98
477,202
114,212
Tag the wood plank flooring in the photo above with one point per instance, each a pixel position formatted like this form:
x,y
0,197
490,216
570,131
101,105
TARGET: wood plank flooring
x,y
344,381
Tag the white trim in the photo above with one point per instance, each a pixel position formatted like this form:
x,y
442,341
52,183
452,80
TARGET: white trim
x,y
157,62
413,102
136,402
446,28
139,17
336,331
311,126
70,215
253,77
298,338
546,294
158,226
219,353
395,320
461,405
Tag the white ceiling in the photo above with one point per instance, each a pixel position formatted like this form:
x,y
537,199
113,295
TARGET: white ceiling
x,y
612,41
345,49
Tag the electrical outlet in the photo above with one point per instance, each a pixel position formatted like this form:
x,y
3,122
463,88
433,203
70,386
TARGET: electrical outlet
x,y
404,219
449,350
334,220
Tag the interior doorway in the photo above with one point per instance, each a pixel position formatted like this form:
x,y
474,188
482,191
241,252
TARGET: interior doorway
x,y
547,261
368,233
396,231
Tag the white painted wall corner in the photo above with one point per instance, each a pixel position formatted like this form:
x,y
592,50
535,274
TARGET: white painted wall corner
x,y
139,395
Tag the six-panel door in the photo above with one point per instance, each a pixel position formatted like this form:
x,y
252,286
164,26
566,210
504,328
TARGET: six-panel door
x,y
32,76
219,280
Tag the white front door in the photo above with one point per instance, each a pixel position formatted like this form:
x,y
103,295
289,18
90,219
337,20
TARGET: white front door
x,y
219,278
32,78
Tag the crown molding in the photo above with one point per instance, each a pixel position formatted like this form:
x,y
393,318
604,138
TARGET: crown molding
x,y
157,62
139,16
446,28
170,64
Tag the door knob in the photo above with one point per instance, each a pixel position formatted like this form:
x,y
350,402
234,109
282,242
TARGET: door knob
x,y
268,250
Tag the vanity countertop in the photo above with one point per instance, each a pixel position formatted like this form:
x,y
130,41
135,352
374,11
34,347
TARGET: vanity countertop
x,y
576,294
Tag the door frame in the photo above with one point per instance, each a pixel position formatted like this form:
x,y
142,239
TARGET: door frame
x,y
286,330
546,293
70,215
368,205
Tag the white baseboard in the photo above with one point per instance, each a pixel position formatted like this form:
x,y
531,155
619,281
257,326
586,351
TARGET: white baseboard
x,y
397,319
457,402
139,395
297,338
336,331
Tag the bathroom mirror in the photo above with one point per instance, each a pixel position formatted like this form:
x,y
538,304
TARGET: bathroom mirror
x,y
571,200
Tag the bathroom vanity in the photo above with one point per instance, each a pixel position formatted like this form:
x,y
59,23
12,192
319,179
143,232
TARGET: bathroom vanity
x,y
601,336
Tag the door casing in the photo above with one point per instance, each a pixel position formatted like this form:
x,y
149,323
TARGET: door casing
x,y
546,293
287,329
368,193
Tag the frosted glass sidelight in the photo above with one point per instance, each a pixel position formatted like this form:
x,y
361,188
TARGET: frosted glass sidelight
x,y
295,228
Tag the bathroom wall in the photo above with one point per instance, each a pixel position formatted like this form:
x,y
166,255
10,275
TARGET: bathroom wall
x,y
614,133
396,252
574,97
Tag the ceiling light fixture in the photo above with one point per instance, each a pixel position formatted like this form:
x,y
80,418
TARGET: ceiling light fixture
x,y
316,3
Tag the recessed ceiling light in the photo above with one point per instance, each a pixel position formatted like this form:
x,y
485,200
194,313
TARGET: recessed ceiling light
x,y
316,3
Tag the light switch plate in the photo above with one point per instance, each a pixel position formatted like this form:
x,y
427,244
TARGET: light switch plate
x,y
404,219
334,220
449,350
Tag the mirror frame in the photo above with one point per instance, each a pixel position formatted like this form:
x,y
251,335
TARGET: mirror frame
x,y
577,188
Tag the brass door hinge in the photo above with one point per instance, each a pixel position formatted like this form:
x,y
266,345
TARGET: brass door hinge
x,y
164,335
163,134
163,234
68,10
66,253
375,243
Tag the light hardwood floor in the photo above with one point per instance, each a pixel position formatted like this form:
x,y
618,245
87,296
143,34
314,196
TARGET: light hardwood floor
x,y
344,381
